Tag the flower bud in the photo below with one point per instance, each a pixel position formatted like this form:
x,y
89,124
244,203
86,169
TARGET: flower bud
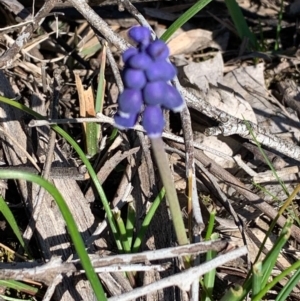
x,y
122,122
160,70
153,121
155,92
129,53
172,100
140,61
130,101
140,34
134,78
158,49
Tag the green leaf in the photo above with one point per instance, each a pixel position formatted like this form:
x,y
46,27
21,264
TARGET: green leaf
x,y
240,23
91,138
257,278
19,286
147,220
70,222
84,159
286,290
192,11
4,209
131,216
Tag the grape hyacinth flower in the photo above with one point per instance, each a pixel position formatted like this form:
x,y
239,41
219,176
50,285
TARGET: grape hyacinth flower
x,y
146,76
147,91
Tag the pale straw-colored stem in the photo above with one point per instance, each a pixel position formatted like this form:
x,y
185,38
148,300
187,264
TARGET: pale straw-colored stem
x,y
167,179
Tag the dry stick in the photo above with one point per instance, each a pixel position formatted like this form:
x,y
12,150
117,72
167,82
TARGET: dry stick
x,y
190,164
230,125
7,58
17,8
184,279
46,170
105,119
114,68
51,288
191,176
48,272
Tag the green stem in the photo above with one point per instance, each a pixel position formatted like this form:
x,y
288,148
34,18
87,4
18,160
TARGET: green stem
x,y
147,220
167,179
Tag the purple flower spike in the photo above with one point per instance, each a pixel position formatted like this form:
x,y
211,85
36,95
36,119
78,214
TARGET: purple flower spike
x,y
129,53
123,123
155,92
140,34
160,71
173,100
158,49
153,121
130,101
134,78
140,61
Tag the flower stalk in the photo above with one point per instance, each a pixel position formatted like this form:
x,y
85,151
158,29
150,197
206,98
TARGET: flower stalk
x,y
146,75
167,179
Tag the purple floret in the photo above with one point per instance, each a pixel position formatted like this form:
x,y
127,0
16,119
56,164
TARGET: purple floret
x,y
153,121
154,93
158,49
140,61
160,70
129,53
173,100
146,75
130,101
134,78
123,123
140,34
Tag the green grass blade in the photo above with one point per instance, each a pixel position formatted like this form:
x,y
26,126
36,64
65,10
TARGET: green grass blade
x,y
192,11
209,278
19,286
101,83
13,299
147,221
240,23
268,264
257,278
271,258
268,287
130,222
122,229
100,94
84,159
4,209
70,222
211,224
278,28
91,137
287,289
